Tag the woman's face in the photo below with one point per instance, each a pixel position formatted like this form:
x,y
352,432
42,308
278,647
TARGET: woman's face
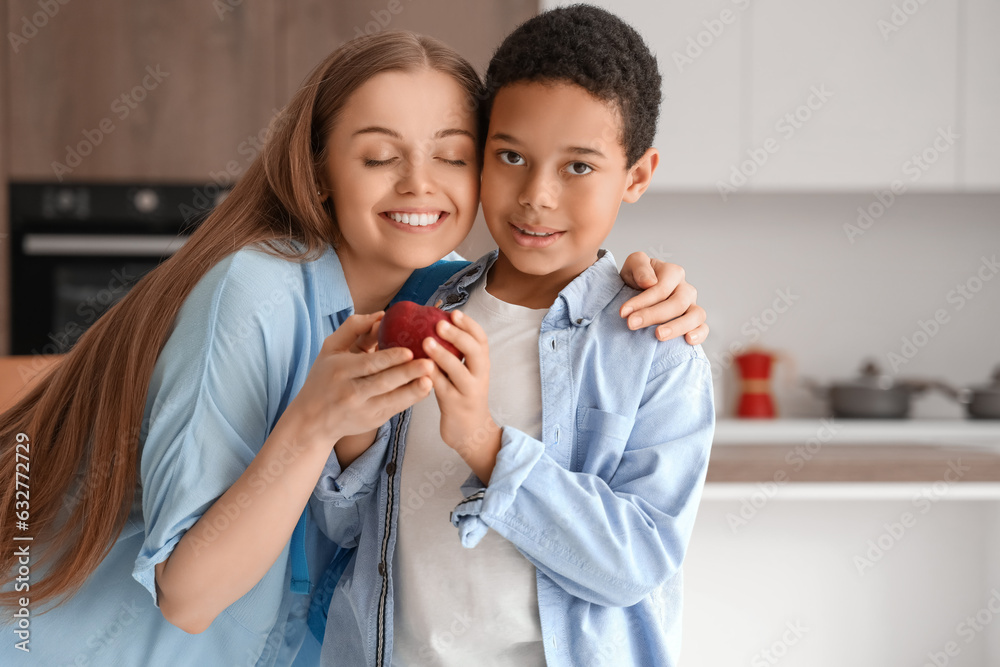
x,y
402,169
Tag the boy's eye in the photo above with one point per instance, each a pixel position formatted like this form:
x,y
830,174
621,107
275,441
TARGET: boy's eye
x,y
580,168
511,158
371,162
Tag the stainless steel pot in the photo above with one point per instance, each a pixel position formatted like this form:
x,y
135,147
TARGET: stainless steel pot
x,y
872,395
981,401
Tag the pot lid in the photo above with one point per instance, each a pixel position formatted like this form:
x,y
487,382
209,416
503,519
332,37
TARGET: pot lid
x,y
871,377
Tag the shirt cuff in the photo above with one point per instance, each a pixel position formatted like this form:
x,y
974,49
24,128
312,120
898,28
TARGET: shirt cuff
x,y
344,486
144,570
516,459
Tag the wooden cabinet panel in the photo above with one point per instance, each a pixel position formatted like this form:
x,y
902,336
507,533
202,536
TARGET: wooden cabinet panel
x,y
138,89
311,29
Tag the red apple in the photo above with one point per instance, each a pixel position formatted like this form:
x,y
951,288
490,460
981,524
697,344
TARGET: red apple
x,y
407,324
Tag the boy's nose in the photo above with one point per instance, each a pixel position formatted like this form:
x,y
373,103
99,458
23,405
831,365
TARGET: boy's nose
x,y
540,191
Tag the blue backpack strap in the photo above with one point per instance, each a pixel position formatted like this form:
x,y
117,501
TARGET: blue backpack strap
x,y
319,606
297,551
422,283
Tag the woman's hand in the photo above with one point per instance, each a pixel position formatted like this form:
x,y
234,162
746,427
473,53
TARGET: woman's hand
x,y
350,390
353,388
462,391
668,300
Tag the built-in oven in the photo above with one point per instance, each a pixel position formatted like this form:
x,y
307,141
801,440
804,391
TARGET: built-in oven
x,y
76,250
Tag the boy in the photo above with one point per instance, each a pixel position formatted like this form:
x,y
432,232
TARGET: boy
x,y
587,443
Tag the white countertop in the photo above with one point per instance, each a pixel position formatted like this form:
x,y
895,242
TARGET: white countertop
x,y
857,431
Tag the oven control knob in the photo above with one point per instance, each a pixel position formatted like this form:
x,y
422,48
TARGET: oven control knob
x,y
146,200
65,200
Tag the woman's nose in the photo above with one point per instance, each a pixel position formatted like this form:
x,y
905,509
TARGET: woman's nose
x,y
416,176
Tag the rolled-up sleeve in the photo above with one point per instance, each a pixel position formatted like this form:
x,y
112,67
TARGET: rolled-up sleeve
x,y
609,538
213,398
335,502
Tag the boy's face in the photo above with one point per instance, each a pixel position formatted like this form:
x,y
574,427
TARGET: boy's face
x,y
554,175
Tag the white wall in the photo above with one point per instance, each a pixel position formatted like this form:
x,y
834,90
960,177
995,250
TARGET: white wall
x,y
851,300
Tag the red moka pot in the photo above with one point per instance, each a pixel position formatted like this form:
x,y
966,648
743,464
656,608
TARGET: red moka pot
x,y
755,391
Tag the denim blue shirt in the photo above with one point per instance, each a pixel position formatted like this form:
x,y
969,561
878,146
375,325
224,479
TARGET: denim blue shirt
x,y
603,504
240,349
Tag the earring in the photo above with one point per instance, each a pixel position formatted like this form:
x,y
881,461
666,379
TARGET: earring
x,y
319,193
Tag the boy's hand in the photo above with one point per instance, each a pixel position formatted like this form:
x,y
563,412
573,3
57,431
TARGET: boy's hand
x,y
462,392
668,299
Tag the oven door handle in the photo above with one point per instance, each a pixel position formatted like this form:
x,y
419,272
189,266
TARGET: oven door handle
x,y
150,245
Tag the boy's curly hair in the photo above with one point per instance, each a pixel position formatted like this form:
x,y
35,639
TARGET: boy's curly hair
x,y
594,49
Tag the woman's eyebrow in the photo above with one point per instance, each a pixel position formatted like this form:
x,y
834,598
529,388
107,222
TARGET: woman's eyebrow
x,y
375,129
453,131
440,134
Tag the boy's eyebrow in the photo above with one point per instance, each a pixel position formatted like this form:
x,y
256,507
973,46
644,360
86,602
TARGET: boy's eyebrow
x,y
580,150
576,150
440,134
500,136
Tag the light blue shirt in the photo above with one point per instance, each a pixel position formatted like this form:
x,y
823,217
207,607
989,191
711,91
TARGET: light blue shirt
x,y
603,504
241,347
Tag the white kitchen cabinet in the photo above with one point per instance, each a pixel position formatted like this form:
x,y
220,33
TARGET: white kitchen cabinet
x,y
804,95
979,99
700,119
856,94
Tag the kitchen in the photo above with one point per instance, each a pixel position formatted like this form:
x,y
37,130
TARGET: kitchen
x,y
830,181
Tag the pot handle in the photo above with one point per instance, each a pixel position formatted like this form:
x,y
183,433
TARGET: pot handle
x,y
963,395
820,391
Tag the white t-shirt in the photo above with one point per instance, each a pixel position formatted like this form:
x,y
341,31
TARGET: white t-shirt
x,y
455,606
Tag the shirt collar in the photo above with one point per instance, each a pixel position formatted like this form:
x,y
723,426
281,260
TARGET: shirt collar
x,y
579,302
332,293
591,291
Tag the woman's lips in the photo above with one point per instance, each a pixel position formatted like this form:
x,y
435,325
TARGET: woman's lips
x,y
533,240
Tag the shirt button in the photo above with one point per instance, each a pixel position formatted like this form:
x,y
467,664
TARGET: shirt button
x,y
390,469
381,569
579,320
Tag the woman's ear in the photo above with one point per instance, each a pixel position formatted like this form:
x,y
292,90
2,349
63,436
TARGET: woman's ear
x,y
640,175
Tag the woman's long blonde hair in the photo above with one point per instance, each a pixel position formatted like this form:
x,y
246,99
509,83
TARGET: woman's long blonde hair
x,y
84,418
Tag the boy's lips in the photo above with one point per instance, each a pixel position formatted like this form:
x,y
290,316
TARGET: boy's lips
x,y
532,236
415,219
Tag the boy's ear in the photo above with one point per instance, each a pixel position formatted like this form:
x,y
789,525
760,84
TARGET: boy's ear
x,y
641,175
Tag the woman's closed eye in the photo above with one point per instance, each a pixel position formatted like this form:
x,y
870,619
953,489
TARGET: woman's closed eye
x,y
373,162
